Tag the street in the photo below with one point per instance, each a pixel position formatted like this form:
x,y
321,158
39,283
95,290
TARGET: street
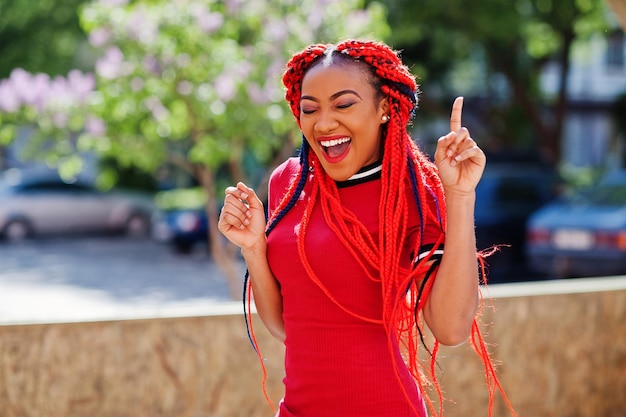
x,y
101,278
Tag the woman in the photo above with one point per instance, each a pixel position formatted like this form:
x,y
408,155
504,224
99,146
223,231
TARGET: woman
x,y
352,261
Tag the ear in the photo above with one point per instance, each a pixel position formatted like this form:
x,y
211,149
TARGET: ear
x,y
383,107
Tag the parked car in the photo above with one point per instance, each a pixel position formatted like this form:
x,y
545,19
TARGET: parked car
x,y
181,220
40,202
506,196
183,228
584,235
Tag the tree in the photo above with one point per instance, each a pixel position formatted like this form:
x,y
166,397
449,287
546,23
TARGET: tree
x,y
497,52
41,36
191,83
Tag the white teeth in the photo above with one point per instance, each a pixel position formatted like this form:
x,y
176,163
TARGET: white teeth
x,y
334,142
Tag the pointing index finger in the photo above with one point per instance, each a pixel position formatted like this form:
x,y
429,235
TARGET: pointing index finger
x,y
455,116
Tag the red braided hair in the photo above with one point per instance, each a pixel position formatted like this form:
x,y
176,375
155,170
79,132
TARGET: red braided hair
x,y
404,292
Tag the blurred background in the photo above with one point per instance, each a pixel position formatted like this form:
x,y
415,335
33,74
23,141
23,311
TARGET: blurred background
x,y
121,122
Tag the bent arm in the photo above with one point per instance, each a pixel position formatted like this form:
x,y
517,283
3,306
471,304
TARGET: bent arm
x,y
242,221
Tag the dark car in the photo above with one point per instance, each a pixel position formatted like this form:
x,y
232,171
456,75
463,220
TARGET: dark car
x,y
181,219
40,202
181,228
506,196
584,235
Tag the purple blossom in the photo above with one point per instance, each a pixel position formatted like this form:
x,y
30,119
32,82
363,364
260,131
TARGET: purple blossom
x,y
80,84
99,37
95,126
184,88
233,7
22,84
110,65
209,22
159,112
226,86
9,100
276,30
141,28
39,91
151,64
257,94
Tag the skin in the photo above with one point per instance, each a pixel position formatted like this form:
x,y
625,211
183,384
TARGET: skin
x,y
453,302
345,107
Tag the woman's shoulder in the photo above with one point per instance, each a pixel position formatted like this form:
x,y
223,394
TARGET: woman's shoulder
x,y
286,171
281,179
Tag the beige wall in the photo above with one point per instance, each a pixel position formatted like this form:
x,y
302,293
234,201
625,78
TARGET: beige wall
x,y
563,354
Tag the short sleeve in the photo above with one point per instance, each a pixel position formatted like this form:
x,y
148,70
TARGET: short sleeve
x,y
425,240
280,181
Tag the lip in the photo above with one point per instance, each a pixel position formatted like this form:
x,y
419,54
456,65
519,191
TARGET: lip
x,y
338,158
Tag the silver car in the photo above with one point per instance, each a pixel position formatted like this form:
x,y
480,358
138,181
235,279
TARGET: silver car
x,y
41,203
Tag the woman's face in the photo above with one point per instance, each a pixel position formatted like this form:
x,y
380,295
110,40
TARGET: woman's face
x,y
341,118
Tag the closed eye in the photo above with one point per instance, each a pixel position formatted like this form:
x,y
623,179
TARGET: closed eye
x,y
344,106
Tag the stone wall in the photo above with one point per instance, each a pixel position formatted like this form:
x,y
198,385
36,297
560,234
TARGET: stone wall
x,y
562,348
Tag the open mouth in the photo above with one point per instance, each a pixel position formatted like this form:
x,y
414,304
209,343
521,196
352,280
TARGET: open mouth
x,y
335,148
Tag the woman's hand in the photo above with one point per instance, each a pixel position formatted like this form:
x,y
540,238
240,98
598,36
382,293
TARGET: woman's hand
x,y
459,160
242,219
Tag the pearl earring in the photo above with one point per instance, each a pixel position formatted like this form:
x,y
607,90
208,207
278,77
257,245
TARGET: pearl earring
x,y
385,118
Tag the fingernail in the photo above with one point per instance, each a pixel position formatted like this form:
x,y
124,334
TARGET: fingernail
x,y
449,153
246,222
249,213
244,195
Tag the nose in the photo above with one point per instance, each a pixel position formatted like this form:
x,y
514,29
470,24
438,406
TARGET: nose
x,y
326,122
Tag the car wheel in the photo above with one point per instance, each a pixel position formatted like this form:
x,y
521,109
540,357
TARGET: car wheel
x,y
16,230
138,225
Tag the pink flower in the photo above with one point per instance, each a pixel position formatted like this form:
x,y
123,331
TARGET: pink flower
x,y
99,37
95,126
9,100
110,65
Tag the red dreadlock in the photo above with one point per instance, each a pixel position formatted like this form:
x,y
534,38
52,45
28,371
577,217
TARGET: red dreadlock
x,y
404,165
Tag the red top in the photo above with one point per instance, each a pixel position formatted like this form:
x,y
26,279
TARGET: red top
x,y
336,364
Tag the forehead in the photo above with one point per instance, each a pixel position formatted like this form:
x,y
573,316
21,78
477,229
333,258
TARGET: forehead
x,y
332,77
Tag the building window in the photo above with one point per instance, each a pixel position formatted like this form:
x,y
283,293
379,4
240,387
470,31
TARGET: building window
x,y
615,50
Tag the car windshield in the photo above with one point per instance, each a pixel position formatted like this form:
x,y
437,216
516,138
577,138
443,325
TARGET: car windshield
x,y
608,195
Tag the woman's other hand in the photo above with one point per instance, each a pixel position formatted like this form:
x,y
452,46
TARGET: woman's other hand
x,y
459,160
242,219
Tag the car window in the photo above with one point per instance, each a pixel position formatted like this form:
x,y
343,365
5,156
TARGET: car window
x,y
54,186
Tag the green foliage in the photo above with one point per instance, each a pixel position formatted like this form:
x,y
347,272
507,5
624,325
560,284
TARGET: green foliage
x,y
41,36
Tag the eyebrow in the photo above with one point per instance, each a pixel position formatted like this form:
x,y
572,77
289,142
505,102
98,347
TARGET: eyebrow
x,y
334,96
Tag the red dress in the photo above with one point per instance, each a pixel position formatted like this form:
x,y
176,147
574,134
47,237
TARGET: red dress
x,y
335,363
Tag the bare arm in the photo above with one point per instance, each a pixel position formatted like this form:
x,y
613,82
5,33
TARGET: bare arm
x,y
242,221
453,301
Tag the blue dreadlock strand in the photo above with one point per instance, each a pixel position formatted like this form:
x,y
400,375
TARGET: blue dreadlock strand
x,y
304,167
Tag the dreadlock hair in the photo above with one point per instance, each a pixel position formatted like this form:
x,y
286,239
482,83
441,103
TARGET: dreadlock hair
x,y
404,292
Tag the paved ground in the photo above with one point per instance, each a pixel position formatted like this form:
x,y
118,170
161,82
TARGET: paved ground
x,y
69,279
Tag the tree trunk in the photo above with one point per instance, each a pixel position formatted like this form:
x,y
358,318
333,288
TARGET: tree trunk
x,y
561,104
222,252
